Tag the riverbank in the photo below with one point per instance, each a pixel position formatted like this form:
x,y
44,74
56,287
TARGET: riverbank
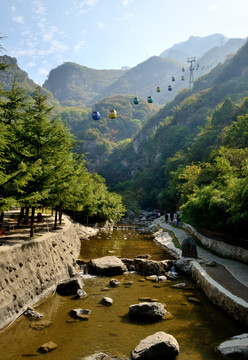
x,y
30,269
216,291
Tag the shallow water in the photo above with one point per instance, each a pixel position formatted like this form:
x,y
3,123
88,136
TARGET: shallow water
x,y
198,328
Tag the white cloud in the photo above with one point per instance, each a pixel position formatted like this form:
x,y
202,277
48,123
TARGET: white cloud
x,y
42,23
101,25
43,71
125,3
55,46
79,46
39,7
124,17
12,8
91,2
84,6
25,52
47,37
213,7
31,43
19,19
31,64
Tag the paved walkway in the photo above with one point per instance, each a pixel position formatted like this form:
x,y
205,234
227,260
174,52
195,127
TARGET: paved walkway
x,y
237,269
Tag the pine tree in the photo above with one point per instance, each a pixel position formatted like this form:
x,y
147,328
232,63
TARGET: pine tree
x,y
13,171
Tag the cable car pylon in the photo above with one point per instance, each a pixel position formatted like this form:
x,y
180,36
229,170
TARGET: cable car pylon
x,y
191,60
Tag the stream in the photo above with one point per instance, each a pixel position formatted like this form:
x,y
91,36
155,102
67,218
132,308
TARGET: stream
x,y
198,328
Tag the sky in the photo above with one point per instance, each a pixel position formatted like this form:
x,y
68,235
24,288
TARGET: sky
x,y
109,34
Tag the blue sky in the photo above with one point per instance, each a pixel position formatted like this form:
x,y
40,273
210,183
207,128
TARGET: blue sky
x,y
109,34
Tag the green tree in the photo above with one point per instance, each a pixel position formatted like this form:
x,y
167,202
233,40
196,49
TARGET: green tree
x,y
43,143
14,171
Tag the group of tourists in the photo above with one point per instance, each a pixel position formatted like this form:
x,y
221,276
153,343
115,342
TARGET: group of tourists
x,y
169,217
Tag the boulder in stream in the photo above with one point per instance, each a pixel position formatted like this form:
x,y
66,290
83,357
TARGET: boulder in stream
x,y
147,311
30,312
47,347
114,283
107,265
149,267
234,348
81,313
70,287
157,346
107,301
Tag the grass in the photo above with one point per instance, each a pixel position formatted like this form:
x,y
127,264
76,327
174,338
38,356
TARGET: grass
x,y
173,237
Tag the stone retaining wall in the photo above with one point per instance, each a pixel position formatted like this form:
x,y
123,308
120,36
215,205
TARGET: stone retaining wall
x,y
223,249
31,269
234,306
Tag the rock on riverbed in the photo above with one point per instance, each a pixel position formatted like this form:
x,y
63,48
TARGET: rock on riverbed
x,y
147,311
158,345
234,348
107,265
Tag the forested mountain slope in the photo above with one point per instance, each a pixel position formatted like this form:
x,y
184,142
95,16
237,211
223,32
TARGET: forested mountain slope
x,y
99,138
173,136
13,72
74,84
144,78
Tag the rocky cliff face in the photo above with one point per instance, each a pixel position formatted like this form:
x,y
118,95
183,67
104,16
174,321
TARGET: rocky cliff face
x,y
30,270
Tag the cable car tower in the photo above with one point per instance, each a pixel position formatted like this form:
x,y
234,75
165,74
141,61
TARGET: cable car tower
x,y
191,60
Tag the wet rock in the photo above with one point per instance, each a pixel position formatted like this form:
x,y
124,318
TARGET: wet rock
x,y
152,277
147,311
107,265
107,301
129,264
235,348
81,294
47,347
168,316
179,286
98,356
183,266
145,256
40,325
194,300
170,275
114,283
189,249
145,299
161,278
30,312
128,283
149,267
81,313
157,346
70,287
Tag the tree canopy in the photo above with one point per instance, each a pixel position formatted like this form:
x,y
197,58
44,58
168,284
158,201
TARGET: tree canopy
x,y
38,166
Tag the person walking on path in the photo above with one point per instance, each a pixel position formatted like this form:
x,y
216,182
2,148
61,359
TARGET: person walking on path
x,y
166,216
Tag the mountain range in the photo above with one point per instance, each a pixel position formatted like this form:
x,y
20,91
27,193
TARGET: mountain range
x,y
73,84
134,147
184,131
